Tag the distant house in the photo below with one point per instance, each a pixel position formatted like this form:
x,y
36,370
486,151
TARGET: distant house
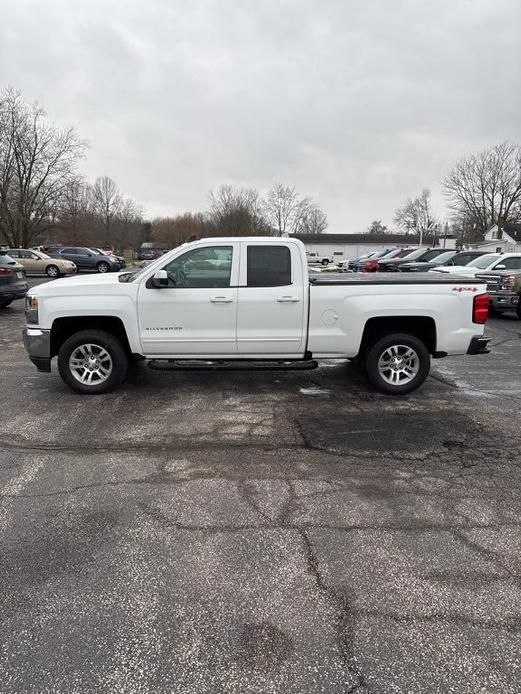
x,y
509,242
340,246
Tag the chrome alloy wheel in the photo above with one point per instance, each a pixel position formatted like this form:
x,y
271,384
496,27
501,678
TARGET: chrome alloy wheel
x,y
398,365
90,364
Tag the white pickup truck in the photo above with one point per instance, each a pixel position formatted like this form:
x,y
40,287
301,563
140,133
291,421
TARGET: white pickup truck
x,y
244,301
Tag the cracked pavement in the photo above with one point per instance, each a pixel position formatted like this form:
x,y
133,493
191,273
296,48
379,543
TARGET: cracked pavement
x,y
263,532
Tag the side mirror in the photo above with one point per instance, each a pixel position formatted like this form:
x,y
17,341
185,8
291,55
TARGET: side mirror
x,y
161,280
500,267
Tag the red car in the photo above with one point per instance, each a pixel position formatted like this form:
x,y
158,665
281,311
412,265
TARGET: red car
x,y
371,264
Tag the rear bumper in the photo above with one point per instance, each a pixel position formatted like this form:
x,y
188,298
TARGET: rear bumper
x,y
15,290
479,345
37,342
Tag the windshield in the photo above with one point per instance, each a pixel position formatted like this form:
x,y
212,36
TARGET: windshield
x,y
443,257
41,254
400,253
484,261
415,254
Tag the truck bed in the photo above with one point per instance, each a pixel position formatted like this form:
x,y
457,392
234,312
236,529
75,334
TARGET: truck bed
x,y
375,278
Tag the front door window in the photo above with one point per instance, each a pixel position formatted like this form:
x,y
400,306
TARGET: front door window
x,y
202,268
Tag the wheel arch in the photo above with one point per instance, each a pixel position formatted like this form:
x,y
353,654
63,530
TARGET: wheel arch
x,y
63,328
422,327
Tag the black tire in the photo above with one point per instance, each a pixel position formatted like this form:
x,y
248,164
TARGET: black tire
x,y
325,261
5,301
518,309
378,350
103,267
107,341
52,271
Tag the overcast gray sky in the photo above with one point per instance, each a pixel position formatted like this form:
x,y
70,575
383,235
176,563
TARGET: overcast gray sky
x,y
359,103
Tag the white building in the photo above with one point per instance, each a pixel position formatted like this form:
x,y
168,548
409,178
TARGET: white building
x,y
510,241
345,246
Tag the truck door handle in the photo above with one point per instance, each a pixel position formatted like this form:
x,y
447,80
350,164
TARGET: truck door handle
x,y
221,300
288,299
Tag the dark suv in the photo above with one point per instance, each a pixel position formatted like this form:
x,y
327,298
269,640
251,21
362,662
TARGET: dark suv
x,y
86,258
13,283
421,254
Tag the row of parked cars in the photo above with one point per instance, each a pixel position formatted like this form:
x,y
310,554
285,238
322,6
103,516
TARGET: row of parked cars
x,y
500,271
17,263
466,263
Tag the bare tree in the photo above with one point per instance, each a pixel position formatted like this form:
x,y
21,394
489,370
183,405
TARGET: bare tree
x,y
486,187
281,207
236,212
416,215
288,213
38,161
377,227
107,203
127,227
74,222
312,220
168,232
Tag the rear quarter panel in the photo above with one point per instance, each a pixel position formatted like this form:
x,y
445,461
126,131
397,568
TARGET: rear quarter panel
x,y
338,314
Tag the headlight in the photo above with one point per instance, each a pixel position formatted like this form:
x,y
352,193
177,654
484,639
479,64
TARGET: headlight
x,y
31,310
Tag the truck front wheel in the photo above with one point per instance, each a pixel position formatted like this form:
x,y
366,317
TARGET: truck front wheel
x,y
92,361
397,364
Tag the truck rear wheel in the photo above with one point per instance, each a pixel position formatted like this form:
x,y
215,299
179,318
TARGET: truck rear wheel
x,y
92,362
397,364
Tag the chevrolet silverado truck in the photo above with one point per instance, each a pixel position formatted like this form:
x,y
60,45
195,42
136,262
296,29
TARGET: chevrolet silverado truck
x,y
504,290
251,302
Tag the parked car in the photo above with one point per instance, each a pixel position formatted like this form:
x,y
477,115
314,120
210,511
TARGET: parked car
x,y
86,258
38,263
360,265
13,282
265,308
489,261
371,264
447,259
393,264
147,251
320,258
504,290
121,260
353,263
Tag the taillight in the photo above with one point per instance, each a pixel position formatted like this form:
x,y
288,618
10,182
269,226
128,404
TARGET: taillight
x,y
480,309
5,271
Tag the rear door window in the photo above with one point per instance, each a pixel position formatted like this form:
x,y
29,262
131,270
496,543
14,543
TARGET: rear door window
x,y
268,266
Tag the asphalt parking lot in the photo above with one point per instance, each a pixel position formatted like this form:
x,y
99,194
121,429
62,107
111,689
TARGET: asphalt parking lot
x,y
259,532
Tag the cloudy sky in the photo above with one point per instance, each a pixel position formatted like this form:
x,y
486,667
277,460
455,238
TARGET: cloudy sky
x,y
358,103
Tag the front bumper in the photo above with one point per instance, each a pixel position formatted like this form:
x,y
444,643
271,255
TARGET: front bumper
x,y
37,342
503,301
479,345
